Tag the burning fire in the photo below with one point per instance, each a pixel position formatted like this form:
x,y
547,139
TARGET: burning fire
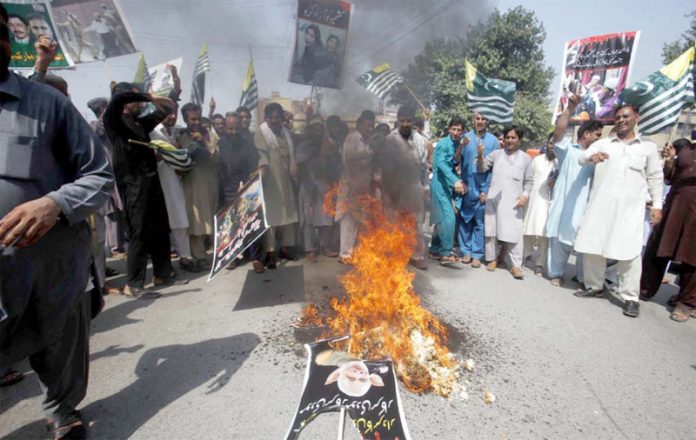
x,y
382,312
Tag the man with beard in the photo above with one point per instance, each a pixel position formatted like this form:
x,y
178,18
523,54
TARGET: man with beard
x,y
278,169
626,168
445,183
542,168
201,182
570,193
237,161
135,167
174,197
356,181
404,177
58,175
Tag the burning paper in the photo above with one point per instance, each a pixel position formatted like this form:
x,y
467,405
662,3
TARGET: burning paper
x,y
382,312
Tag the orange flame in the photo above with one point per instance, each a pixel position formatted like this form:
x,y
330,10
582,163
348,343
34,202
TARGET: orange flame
x,y
382,312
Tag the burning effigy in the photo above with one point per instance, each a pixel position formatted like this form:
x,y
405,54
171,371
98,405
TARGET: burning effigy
x,y
382,312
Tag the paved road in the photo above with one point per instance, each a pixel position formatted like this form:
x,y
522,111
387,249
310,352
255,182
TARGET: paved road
x,y
220,360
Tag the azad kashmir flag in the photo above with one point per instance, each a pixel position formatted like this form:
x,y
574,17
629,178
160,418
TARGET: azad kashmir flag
x,y
380,80
202,66
250,89
662,96
492,98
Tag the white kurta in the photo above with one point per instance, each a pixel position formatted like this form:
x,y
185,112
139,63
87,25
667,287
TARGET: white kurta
x,y
540,196
511,178
613,222
170,182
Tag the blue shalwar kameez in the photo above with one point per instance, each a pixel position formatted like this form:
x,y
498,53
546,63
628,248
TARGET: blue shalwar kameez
x,y
471,213
570,195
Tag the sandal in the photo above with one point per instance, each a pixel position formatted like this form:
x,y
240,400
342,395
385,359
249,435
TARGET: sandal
x,y
11,377
450,259
70,428
681,313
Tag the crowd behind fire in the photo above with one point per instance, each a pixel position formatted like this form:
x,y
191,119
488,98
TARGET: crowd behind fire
x,y
491,204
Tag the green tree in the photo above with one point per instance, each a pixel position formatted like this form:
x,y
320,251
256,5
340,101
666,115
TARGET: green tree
x,y
673,49
505,46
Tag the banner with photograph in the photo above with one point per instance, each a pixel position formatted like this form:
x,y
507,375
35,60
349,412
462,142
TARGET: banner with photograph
x,y
93,30
367,390
28,20
320,43
161,79
597,69
238,225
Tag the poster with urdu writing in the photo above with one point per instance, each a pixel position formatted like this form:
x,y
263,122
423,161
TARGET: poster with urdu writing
x,y
596,69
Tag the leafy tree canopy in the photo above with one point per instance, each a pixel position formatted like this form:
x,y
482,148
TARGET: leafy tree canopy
x,y
505,46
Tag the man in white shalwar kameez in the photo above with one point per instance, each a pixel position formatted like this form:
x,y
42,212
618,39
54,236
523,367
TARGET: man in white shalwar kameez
x,y
612,227
174,196
570,194
538,208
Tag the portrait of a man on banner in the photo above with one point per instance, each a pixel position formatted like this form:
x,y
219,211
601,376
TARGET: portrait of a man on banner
x,y
320,45
27,22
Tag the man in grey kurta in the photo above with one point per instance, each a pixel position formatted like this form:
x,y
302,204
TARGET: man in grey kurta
x,y
511,183
52,176
278,169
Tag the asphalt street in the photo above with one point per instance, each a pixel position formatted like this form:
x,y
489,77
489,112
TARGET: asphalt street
x,y
221,360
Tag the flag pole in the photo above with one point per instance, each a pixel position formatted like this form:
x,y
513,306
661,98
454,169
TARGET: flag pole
x,y
673,132
414,95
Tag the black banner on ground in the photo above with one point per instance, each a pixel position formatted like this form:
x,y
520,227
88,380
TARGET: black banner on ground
x,y
367,390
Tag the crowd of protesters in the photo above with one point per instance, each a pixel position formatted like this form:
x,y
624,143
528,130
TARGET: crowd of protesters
x,y
489,201
599,198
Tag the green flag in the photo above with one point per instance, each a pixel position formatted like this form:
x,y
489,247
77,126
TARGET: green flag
x,y
492,98
142,75
662,96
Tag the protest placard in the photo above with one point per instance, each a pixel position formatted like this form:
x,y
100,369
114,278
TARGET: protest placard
x,y
238,225
93,30
320,43
161,78
367,390
28,20
596,69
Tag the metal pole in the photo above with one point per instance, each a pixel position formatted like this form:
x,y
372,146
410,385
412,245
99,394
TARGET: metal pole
x,y
341,423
